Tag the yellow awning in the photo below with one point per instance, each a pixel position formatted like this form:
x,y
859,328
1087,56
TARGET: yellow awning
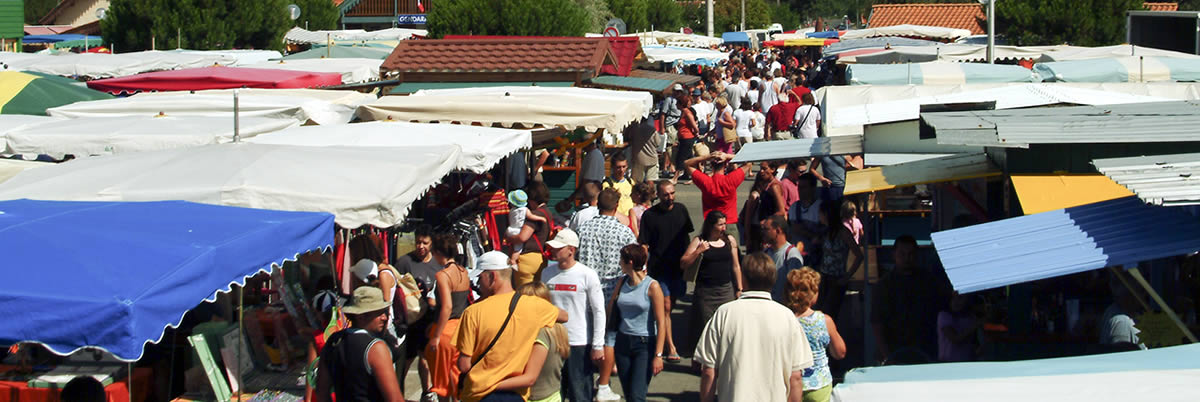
x,y
947,168
1048,192
805,42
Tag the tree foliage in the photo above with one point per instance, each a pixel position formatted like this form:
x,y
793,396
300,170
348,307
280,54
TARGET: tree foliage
x,y
36,9
198,24
727,15
597,14
319,14
1054,22
664,15
507,17
633,12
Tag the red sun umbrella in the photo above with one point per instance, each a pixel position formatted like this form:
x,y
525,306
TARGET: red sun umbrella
x,y
196,79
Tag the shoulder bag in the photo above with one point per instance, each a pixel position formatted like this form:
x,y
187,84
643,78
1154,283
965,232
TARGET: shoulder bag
x,y
512,306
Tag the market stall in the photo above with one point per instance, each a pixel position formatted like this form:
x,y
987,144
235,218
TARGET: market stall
x,y
936,73
33,93
1121,69
303,105
103,65
197,79
360,186
341,52
908,30
353,70
90,136
482,147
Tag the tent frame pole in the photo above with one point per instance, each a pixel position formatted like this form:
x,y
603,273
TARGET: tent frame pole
x,y
129,379
238,363
1137,276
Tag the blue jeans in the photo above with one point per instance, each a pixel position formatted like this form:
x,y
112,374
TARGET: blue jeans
x,y
577,375
635,355
503,396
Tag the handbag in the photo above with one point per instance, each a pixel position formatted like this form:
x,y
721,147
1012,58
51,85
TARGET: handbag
x,y
408,292
797,127
614,313
512,306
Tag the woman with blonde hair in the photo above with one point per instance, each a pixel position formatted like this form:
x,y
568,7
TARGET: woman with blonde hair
x,y
802,289
543,372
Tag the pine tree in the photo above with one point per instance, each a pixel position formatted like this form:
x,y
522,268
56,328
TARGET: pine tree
x,y
507,17
195,24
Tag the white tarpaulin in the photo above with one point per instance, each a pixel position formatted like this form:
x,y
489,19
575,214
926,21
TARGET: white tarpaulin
x,y
644,99
103,65
302,36
1068,53
907,30
359,185
676,39
671,54
1161,374
320,106
529,111
482,147
945,52
243,56
112,135
17,121
353,70
847,108
10,167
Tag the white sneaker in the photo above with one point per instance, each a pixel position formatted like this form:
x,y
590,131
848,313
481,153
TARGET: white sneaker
x,y
604,393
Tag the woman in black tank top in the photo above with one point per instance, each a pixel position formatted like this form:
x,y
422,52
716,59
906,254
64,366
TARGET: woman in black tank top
x,y
719,279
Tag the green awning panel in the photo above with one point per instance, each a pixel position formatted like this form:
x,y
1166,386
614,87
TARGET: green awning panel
x,y
632,83
410,87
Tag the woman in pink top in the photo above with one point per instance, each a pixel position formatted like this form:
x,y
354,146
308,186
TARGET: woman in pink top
x,y
643,194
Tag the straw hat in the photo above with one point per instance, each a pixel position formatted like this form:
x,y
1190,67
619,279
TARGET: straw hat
x,y
367,299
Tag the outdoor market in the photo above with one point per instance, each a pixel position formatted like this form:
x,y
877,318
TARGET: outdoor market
x,y
897,205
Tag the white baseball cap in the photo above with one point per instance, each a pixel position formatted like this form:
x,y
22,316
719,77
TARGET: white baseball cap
x,y
565,237
364,269
492,261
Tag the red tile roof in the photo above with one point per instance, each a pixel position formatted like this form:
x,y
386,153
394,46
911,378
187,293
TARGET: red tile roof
x,y
952,15
625,49
46,29
515,54
1161,6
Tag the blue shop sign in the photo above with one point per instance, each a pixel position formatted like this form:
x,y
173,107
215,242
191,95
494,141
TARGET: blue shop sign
x,y
415,19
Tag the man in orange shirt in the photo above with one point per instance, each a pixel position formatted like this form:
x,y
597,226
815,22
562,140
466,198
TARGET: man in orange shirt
x,y
719,191
505,355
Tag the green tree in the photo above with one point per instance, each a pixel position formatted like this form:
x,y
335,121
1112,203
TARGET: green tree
x,y
633,12
785,15
507,17
597,14
1054,22
664,15
727,15
36,9
319,14
196,24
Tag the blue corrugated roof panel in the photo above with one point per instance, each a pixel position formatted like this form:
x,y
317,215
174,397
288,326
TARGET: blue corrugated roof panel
x,y
1063,242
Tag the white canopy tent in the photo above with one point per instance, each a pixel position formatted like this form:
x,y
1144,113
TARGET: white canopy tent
x,y
359,185
671,54
303,36
10,167
243,56
482,147
847,108
645,100
353,70
676,39
947,52
1068,53
112,135
907,30
103,65
320,106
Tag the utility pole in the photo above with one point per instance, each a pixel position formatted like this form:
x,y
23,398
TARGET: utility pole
x,y
991,16
708,4
743,15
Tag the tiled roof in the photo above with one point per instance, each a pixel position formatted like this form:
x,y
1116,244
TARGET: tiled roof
x,y
500,55
625,49
951,15
1161,6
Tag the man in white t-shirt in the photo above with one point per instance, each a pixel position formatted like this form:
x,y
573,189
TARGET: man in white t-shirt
x,y
753,340
576,288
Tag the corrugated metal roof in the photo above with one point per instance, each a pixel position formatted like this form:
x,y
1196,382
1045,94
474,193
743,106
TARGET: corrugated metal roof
x,y
886,159
1158,179
12,19
1125,123
1047,192
799,148
1062,242
632,83
948,168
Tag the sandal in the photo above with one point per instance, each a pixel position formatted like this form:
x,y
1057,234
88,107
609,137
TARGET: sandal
x,y
673,358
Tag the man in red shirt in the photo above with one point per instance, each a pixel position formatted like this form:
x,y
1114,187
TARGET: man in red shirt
x,y
779,117
719,191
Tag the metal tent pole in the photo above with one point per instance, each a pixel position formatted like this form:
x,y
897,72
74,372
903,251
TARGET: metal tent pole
x,y
1137,276
237,137
238,363
129,379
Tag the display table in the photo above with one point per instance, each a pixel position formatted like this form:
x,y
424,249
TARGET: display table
x,y
118,391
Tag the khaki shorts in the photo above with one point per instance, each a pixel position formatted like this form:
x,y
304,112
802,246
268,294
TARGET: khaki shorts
x,y
672,135
645,173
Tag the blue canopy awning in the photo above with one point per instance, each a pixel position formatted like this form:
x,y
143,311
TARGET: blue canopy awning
x,y
735,37
823,34
114,275
58,38
1063,242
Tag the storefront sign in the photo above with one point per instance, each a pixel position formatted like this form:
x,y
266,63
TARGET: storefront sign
x,y
411,19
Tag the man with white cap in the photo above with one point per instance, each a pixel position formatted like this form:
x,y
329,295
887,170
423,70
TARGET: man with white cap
x,y
355,363
576,288
496,334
